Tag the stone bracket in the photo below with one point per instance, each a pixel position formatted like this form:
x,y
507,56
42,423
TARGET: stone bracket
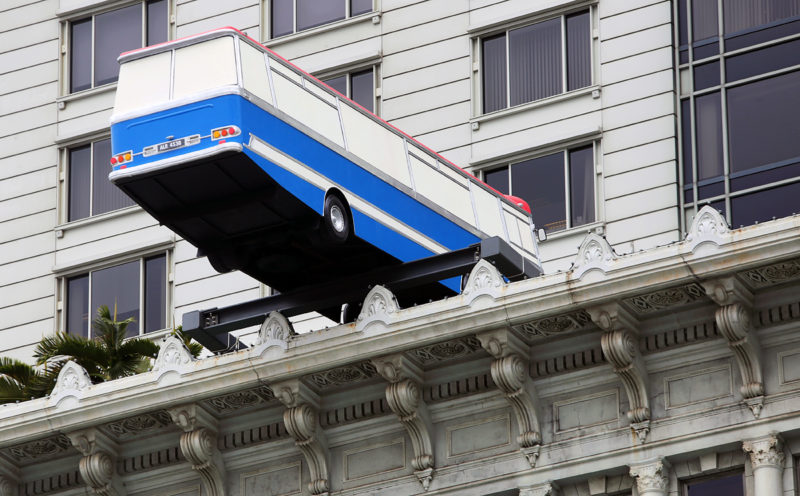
x,y
199,445
734,322
9,479
510,372
620,345
404,397
98,465
301,419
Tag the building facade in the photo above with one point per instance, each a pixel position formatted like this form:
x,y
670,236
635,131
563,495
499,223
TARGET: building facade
x,y
658,354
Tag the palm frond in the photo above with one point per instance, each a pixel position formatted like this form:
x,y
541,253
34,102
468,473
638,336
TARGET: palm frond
x,y
195,348
86,352
12,391
17,370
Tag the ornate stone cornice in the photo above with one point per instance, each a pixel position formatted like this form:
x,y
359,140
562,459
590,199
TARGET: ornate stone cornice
x,y
734,322
595,253
98,465
199,446
404,396
301,421
708,226
276,331
510,372
546,489
9,479
72,380
621,348
765,452
172,355
446,350
483,280
380,305
652,477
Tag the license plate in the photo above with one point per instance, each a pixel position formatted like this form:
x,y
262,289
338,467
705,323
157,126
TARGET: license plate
x,y
168,146
171,145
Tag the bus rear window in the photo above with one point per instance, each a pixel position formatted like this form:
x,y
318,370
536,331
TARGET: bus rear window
x,y
143,82
204,66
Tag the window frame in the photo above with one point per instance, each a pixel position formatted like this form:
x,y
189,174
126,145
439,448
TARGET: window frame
x,y
478,35
685,86
348,72
67,19
64,186
266,20
684,483
140,257
563,148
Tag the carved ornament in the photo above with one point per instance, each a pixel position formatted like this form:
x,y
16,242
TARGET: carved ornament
x,y
765,452
708,226
595,253
651,477
172,355
199,446
343,375
447,350
773,274
72,381
557,324
483,279
241,399
380,305
276,331
666,298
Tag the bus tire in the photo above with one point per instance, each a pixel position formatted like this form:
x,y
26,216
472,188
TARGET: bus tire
x,y
338,224
225,261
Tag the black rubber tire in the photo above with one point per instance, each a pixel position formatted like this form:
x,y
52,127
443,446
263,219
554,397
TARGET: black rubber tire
x,y
338,224
225,261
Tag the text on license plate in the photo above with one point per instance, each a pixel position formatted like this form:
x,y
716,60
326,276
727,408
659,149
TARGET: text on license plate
x,y
168,146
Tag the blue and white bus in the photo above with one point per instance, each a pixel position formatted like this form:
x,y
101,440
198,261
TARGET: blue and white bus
x,y
269,171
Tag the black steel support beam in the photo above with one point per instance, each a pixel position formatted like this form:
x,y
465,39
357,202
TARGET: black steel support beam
x,y
208,326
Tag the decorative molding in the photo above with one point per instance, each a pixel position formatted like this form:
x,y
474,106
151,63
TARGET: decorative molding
x,y
301,421
708,226
172,355
199,446
765,452
459,387
652,477
546,489
341,376
595,253
735,324
72,381
39,450
446,350
98,465
352,413
770,275
566,363
620,346
556,324
239,400
666,298
138,425
276,331
510,372
380,305
10,478
483,279
404,397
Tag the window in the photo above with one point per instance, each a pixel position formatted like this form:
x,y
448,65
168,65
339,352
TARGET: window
x,y
358,86
729,485
739,65
97,41
89,191
136,289
536,61
558,187
291,16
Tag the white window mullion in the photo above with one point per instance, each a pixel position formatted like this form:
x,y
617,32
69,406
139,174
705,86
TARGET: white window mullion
x,y
141,293
508,70
89,310
294,16
91,62
564,54
567,197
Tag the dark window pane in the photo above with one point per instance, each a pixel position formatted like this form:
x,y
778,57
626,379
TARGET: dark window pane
x,y
746,14
753,37
360,6
155,293
281,17
704,19
115,32
78,189
311,13
338,83
686,141
688,194
705,50
706,76
118,288
497,179
80,56
157,15
683,23
105,196
760,177
762,61
581,185
494,73
729,486
361,86
579,49
540,182
710,190
762,122
764,205
719,206
684,56
78,306
535,61
708,122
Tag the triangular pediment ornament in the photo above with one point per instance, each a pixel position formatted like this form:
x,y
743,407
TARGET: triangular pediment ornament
x,y
72,381
708,226
595,253
276,331
173,355
380,305
484,279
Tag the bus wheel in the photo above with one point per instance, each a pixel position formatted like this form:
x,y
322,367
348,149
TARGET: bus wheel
x,y
226,261
338,224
